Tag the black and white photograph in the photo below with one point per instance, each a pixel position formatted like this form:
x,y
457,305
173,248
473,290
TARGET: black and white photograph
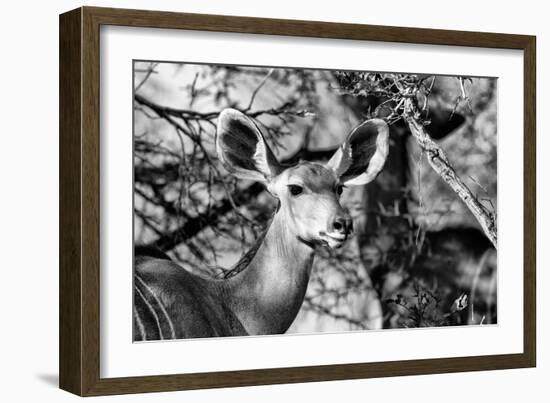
x,y
266,202
276,200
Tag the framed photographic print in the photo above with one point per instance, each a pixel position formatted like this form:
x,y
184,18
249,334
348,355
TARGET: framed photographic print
x,y
249,201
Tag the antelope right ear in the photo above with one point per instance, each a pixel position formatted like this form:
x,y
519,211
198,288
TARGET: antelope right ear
x,y
242,148
362,156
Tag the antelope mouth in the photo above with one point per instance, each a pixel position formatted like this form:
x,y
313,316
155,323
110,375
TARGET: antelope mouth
x,y
333,240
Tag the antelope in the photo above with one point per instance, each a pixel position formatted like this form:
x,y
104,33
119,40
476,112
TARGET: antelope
x,y
172,303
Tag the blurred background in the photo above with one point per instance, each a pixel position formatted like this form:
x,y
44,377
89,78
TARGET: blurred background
x,y
419,257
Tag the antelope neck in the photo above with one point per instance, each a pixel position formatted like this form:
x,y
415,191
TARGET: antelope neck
x,y
267,295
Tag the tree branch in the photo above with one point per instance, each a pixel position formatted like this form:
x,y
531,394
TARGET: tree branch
x,y
438,161
196,224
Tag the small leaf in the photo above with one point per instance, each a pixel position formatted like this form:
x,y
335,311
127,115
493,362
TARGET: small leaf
x,y
460,303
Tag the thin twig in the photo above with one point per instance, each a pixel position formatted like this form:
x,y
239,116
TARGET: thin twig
x,y
257,89
150,70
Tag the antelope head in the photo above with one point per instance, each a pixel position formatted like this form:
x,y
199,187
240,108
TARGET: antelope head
x,y
308,192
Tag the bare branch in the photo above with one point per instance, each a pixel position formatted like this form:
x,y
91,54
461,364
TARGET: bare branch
x,y
196,224
257,89
440,164
150,70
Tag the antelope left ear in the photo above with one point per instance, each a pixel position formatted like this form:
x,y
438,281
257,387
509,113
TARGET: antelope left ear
x,y
242,148
362,156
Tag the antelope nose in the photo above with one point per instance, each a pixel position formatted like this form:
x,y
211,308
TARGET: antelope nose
x,y
342,224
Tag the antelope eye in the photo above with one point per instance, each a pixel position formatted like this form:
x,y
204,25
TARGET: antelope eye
x,y
339,190
295,190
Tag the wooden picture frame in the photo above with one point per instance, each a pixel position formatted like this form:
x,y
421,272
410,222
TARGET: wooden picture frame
x,y
79,201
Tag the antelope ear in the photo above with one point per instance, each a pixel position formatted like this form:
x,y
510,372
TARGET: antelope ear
x,y
242,148
362,156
